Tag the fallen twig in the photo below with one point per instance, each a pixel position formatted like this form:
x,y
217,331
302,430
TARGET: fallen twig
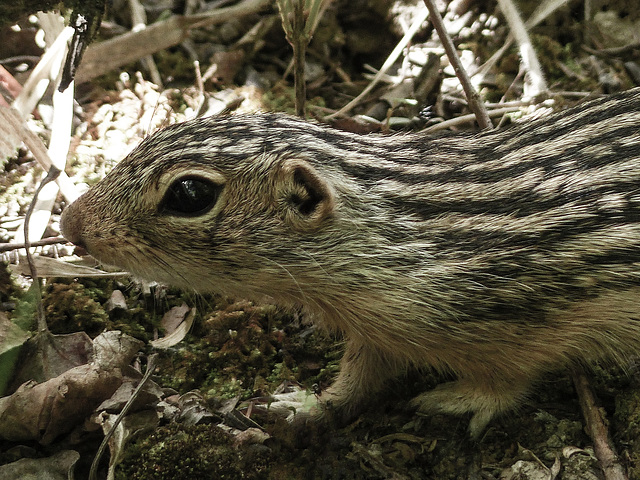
x,y
607,52
596,428
105,441
468,119
476,106
8,247
103,57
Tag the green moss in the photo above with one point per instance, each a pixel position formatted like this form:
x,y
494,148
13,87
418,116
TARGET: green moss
x,y
231,352
626,425
222,387
179,452
8,290
282,98
175,61
79,305
69,308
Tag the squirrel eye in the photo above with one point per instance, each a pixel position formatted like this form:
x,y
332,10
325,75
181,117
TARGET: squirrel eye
x,y
190,196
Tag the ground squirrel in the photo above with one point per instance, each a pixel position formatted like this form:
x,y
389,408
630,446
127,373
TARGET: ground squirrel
x,y
493,256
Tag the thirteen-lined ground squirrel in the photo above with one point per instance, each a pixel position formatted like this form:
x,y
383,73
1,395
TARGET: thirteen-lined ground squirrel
x,y
494,256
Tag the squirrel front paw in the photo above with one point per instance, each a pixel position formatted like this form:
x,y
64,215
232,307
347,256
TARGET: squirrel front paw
x,y
292,403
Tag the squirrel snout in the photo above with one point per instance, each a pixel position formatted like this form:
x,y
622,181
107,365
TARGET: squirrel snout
x,y
71,226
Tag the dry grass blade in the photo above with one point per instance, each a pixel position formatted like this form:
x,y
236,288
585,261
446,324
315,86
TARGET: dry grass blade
x,y
49,70
52,267
535,83
10,121
58,150
51,176
393,56
38,82
545,9
139,21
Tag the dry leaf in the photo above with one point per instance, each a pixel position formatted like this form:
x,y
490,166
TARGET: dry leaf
x,y
174,317
44,411
178,334
56,467
150,394
51,267
46,356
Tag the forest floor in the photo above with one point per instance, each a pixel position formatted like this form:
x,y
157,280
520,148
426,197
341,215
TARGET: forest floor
x,y
234,350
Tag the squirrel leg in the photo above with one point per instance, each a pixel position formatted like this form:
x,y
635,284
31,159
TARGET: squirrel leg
x,y
363,372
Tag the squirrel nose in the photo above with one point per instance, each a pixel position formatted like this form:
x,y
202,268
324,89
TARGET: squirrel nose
x,y
71,226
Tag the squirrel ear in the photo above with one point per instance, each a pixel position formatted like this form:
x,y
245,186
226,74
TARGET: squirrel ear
x,y
307,196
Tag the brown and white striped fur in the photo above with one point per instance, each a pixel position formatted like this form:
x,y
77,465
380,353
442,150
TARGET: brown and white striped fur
x,y
494,256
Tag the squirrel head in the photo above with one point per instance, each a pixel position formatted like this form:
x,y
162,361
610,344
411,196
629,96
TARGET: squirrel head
x,y
209,205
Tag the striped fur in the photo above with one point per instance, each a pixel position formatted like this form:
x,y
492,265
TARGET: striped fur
x,y
494,256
